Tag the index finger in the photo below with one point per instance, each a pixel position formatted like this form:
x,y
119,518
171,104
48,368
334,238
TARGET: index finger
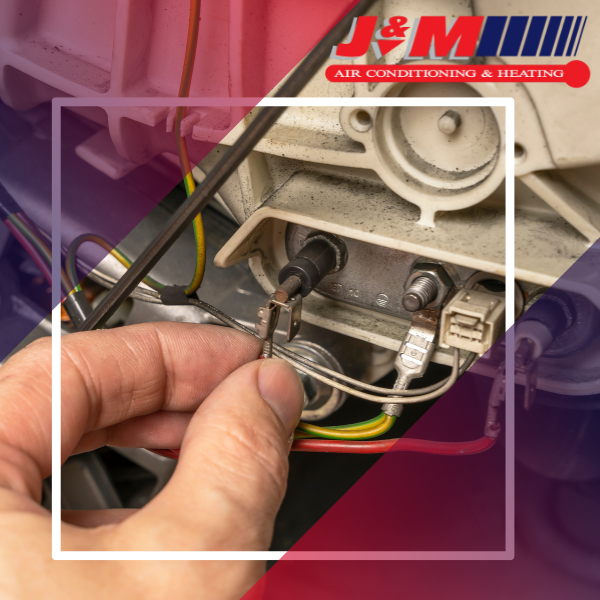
x,y
108,377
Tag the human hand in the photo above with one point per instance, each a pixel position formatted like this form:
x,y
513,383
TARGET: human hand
x,y
166,385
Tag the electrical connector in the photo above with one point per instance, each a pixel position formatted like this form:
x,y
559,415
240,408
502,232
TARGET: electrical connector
x,y
472,321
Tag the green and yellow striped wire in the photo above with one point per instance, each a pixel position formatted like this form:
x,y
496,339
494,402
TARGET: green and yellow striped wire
x,y
184,160
357,431
40,247
188,180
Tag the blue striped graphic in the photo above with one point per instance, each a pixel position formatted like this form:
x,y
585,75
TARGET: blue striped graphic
x,y
534,36
550,37
580,36
514,36
564,36
574,35
491,36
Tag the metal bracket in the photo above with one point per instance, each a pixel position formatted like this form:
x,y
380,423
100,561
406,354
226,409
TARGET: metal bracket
x,y
530,371
293,307
268,316
527,357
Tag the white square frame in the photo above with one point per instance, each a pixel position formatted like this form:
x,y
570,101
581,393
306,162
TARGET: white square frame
x,y
506,554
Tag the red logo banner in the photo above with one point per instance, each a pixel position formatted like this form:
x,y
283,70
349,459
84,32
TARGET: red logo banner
x,y
575,73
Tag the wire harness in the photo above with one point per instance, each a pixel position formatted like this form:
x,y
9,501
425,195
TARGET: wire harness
x,y
30,237
349,439
358,431
337,380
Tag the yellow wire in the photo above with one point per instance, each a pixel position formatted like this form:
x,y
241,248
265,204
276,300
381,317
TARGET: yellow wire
x,y
361,426
200,243
190,186
300,435
352,434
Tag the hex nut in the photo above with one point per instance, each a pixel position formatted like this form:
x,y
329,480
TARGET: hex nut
x,y
338,245
438,274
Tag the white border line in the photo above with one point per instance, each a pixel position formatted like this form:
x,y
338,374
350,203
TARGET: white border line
x,y
56,327
507,554
509,262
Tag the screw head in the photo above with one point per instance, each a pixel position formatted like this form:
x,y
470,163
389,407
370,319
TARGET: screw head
x,y
411,302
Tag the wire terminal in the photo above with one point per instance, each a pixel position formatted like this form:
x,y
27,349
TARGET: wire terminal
x,y
417,348
268,317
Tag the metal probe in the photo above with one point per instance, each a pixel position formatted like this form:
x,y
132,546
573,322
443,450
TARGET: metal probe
x,y
186,213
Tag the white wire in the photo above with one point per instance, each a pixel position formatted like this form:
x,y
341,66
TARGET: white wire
x,y
314,370
373,388
391,397
382,399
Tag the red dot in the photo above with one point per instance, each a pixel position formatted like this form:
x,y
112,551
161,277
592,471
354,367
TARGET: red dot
x,y
577,73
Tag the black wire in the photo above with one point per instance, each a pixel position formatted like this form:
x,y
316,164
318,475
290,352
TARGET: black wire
x,y
186,213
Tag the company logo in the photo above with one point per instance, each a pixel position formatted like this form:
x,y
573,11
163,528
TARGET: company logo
x,y
464,37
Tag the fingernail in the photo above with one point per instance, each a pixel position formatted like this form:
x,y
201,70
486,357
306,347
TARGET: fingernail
x,y
280,386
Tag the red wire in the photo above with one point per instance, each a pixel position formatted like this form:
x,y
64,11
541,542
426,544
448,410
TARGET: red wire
x,y
395,445
168,453
380,446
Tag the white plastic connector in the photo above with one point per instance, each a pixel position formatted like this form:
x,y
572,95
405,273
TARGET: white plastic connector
x,y
472,321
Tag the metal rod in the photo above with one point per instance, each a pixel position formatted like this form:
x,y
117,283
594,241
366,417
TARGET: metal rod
x,y
184,216
287,289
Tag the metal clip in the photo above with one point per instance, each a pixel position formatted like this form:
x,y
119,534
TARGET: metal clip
x,y
293,307
530,371
527,365
496,398
267,321
268,316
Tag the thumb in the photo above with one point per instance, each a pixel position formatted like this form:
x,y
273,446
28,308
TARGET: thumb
x,y
232,471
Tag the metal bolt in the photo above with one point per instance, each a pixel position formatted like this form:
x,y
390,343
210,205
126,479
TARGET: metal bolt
x,y
421,292
449,122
